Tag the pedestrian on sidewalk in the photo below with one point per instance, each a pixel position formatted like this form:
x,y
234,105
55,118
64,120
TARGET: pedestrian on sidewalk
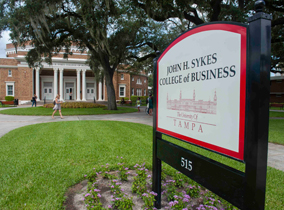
x,y
147,103
57,107
151,105
34,98
138,103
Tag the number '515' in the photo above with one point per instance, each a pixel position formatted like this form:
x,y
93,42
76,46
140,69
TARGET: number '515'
x,y
186,164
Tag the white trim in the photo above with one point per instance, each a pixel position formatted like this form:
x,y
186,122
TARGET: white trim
x,y
9,75
122,85
137,91
10,83
70,79
8,66
46,79
277,78
92,80
132,91
138,83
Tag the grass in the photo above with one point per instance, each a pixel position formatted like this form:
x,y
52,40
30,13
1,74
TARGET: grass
x,y
39,162
276,114
276,131
41,111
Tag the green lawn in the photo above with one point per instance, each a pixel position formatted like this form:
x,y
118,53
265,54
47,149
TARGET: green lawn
x,y
39,162
276,131
276,114
65,111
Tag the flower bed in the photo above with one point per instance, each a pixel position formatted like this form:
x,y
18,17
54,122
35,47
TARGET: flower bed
x,y
131,189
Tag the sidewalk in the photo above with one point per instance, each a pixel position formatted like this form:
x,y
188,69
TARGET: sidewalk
x,y
11,122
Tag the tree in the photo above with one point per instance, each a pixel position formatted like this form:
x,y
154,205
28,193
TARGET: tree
x,y
105,28
200,11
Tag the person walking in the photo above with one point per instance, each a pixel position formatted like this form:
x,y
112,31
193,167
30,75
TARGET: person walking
x,y
34,98
151,105
138,103
57,107
147,103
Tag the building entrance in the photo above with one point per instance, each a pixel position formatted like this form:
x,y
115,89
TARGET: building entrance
x,y
47,90
69,91
90,91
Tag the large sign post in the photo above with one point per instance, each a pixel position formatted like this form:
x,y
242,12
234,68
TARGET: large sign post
x,y
212,90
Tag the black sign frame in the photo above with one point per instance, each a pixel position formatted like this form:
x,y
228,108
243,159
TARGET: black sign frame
x,y
244,190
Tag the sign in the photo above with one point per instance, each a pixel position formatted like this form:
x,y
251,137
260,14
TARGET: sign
x,y
201,88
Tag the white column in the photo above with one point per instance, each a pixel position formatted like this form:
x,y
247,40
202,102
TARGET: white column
x,y
100,90
78,84
83,84
104,89
61,84
55,82
37,83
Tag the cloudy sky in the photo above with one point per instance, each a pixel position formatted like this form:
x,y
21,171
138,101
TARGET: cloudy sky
x,y
3,41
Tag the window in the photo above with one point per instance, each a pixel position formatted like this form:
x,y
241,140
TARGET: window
x,y
139,81
139,92
121,90
90,85
144,92
47,84
132,79
50,90
10,91
144,80
9,73
122,77
132,92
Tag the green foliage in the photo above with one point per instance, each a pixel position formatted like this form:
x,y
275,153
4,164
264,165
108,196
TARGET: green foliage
x,y
139,184
135,98
123,203
178,177
149,199
41,111
193,191
9,98
125,98
123,173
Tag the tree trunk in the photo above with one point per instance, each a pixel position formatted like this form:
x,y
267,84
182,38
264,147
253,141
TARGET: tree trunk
x,y
110,89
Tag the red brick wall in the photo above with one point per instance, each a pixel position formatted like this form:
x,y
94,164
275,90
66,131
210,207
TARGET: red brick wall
x,y
143,86
277,86
23,82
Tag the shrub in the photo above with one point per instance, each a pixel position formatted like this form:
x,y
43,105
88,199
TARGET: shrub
x,y
76,105
134,99
9,98
125,98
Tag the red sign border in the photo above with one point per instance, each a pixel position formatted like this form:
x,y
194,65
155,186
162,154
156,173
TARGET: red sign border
x,y
242,30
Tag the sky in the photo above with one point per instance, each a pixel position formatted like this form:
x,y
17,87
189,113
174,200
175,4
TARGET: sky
x,y
3,41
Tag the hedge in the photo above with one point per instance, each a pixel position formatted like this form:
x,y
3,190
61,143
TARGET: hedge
x,y
9,98
76,105
135,98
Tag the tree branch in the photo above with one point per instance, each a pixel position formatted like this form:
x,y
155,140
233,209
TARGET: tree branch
x,y
216,6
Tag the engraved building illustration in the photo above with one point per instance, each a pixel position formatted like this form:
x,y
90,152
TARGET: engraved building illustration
x,y
200,106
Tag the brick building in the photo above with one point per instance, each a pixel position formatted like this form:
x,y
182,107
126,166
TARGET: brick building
x,y
71,78
277,89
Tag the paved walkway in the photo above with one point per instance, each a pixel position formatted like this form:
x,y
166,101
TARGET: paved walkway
x,y
11,122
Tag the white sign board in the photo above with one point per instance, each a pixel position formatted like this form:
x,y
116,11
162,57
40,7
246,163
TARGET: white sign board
x,y
201,88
